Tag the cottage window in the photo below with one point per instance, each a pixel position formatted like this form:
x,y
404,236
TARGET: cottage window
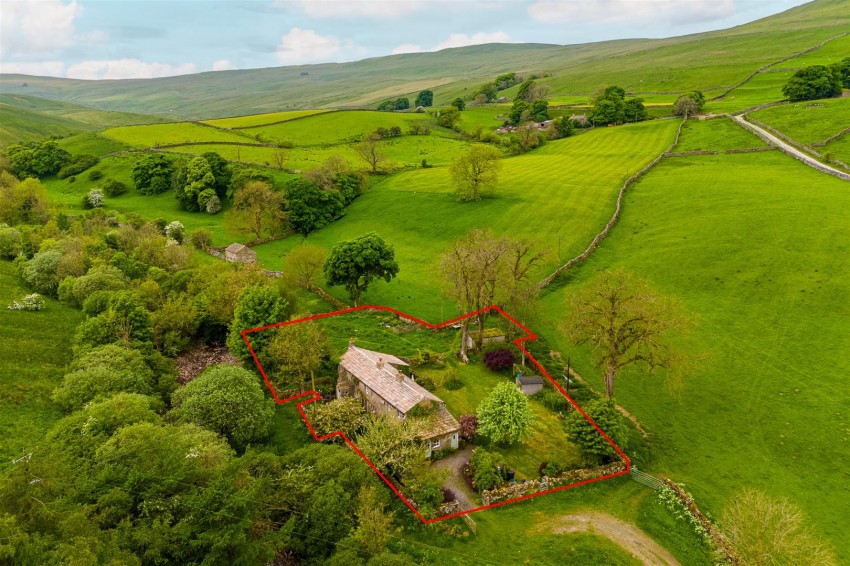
x,y
436,444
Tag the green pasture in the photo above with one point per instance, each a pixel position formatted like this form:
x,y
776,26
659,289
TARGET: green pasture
x,y
832,52
91,143
809,121
838,149
755,246
260,119
34,349
716,134
557,196
177,132
337,127
523,533
764,87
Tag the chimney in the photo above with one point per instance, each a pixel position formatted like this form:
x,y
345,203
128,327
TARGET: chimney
x,y
399,375
380,363
351,343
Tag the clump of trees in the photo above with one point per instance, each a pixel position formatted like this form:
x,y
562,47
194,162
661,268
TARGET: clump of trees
x,y
489,92
611,107
689,103
818,81
36,159
152,174
402,103
592,444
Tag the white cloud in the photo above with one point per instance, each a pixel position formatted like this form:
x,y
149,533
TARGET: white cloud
x,y
457,40
462,40
126,69
40,69
36,28
359,8
609,11
407,48
307,46
223,65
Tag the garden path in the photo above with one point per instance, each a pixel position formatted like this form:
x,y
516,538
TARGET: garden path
x,y
618,531
454,463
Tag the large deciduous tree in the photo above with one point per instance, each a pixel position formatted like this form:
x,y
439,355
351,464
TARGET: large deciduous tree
x,y
810,83
295,353
425,98
304,264
605,414
371,152
257,306
626,322
152,174
310,207
393,446
504,416
356,263
258,209
475,171
228,400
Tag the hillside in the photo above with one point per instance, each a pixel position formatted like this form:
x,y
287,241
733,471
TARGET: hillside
x,y
27,118
710,62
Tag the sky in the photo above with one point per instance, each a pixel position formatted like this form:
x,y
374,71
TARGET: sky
x,y
120,39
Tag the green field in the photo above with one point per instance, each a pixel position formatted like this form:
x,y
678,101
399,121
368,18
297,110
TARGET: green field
x,y
165,134
260,119
34,349
91,143
807,122
764,87
762,260
833,51
716,134
576,179
838,149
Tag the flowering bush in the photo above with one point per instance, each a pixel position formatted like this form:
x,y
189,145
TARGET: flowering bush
x,y
677,507
94,199
32,302
175,231
213,205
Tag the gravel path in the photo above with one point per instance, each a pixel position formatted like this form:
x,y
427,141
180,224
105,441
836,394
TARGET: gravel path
x,y
454,463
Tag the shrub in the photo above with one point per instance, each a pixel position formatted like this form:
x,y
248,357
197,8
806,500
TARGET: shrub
x,y
95,175
201,239
426,382
10,242
453,381
228,400
72,179
213,205
40,272
497,360
448,495
468,427
113,188
175,231
482,465
551,468
605,414
100,278
77,165
94,199
32,302
553,400
97,302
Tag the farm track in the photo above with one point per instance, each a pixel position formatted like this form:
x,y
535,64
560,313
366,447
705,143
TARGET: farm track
x,y
623,534
789,149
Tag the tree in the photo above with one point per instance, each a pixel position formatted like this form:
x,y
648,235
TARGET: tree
x,y
605,414
305,263
607,111
279,157
634,110
152,174
810,83
221,171
257,306
374,524
425,98
371,153
448,117
227,400
540,110
310,208
196,185
685,106
504,416
519,112
392,445
563,127
767,531
475,171
843,71
346,415
468,427
626,322
23,202
356,263
531,92
242,175
459,104
401,103
294,354
488,91
37,159
258,208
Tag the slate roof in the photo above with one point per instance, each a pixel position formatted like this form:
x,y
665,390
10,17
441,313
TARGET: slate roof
x,y
397,389
530,380
440,423
234,248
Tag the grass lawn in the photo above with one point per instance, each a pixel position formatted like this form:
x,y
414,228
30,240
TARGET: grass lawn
x,y
756,246
809,121
557,196
260,119
34,350
717,134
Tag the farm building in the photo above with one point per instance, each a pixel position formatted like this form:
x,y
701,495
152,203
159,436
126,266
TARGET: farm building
x,y
240,253
490,335
376,379
529,384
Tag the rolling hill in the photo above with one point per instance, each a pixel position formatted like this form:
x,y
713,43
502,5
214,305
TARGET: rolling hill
x,y
712,62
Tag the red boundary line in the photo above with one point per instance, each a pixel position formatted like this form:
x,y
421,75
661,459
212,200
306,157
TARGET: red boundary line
x,y
311,396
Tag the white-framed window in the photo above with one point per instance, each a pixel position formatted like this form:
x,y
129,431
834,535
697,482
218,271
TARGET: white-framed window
x,y
435,444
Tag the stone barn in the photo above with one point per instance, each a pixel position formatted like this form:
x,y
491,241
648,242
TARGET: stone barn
x,y
240,253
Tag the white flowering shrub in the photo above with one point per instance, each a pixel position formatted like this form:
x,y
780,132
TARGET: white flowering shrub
x,y
94,199
678,508
175,231
213,205
32,302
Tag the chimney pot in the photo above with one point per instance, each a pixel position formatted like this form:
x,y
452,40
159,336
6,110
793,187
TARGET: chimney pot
x,y
350,343
380,363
